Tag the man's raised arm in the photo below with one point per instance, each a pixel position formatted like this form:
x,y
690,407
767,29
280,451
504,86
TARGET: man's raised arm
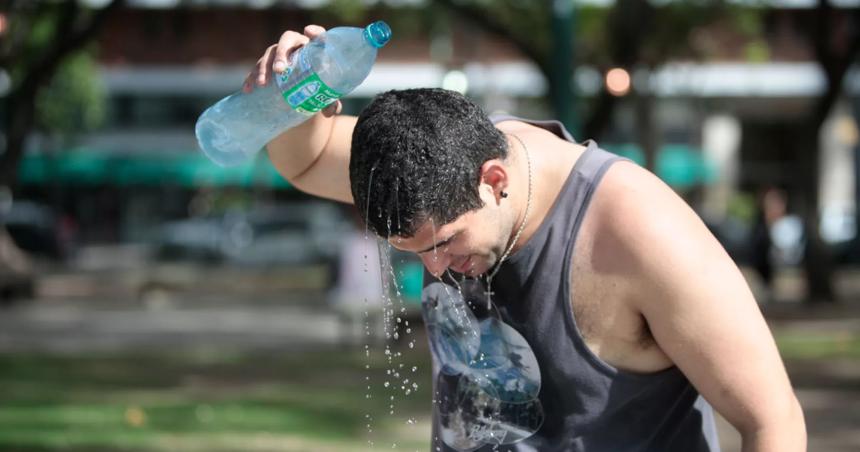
x,y
313,156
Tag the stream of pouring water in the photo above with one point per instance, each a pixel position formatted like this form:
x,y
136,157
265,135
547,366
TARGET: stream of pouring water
x,y
396,327
398,381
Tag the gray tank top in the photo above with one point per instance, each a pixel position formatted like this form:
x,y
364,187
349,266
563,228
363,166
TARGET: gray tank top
x,y
568,399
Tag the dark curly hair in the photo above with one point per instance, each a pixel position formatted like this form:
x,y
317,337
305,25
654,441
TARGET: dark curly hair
x,y
417,156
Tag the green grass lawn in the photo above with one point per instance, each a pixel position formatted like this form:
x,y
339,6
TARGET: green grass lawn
x,y
219,400
214,401
819,345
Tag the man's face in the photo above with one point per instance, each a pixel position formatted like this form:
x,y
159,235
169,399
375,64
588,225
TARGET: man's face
x,y
471,244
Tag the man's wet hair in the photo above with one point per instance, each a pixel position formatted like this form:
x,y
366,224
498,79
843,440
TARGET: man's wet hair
x,y
417,156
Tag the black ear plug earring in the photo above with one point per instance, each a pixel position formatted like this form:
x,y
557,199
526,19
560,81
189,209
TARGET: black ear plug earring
x,y
503,194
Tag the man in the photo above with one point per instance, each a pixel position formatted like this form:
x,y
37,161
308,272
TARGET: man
x,y
613,319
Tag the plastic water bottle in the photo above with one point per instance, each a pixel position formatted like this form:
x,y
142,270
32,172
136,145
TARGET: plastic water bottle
x,y
327,68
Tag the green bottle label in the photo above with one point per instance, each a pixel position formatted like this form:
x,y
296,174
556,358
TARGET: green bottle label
x,y
310,95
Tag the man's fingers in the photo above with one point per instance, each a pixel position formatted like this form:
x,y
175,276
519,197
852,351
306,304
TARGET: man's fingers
x,y
333,109
289,42
275,58
312,31
261,70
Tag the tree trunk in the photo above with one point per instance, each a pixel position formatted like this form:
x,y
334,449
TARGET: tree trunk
x,y
21,108
561,71
817,259
647,130
71,34
836,42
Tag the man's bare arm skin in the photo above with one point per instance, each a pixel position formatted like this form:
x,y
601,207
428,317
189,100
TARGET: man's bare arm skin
x,y
701,311
313,156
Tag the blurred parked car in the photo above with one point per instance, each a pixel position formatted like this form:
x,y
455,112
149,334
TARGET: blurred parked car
x,y
35,228
272,249
306,233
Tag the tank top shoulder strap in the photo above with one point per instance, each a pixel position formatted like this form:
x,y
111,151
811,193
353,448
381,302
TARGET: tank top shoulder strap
x,y
551,125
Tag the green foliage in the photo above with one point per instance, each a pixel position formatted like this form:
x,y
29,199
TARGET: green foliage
x,y
673,26
405,22
749,23
348,11
590,35
37,26
75,100
526,21
757,51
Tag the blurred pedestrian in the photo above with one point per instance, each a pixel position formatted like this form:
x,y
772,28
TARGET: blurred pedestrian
x,y
771,207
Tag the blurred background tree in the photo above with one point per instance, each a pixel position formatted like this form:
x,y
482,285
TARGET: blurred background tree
x,y
51,84
834,35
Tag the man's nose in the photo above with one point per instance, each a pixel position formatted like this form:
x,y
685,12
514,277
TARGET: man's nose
x,y
436,262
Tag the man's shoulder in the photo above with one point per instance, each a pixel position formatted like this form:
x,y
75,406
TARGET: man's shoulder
x,y
641,213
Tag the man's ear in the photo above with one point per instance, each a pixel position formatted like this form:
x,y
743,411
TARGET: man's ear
x,y
494,177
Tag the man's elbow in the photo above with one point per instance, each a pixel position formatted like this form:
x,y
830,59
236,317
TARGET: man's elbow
x,y
781,428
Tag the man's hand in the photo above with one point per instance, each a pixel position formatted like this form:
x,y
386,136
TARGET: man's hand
x,y
276,58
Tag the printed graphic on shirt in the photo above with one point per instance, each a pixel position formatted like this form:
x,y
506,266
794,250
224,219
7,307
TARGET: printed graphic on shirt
x,y
488,384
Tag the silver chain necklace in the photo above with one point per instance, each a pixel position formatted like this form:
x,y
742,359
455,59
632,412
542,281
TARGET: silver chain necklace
x,y
519,231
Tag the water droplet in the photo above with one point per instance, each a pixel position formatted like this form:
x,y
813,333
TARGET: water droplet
x,y
414,368
386,384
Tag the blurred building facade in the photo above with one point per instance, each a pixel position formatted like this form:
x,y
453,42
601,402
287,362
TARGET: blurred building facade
x,y
721,123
